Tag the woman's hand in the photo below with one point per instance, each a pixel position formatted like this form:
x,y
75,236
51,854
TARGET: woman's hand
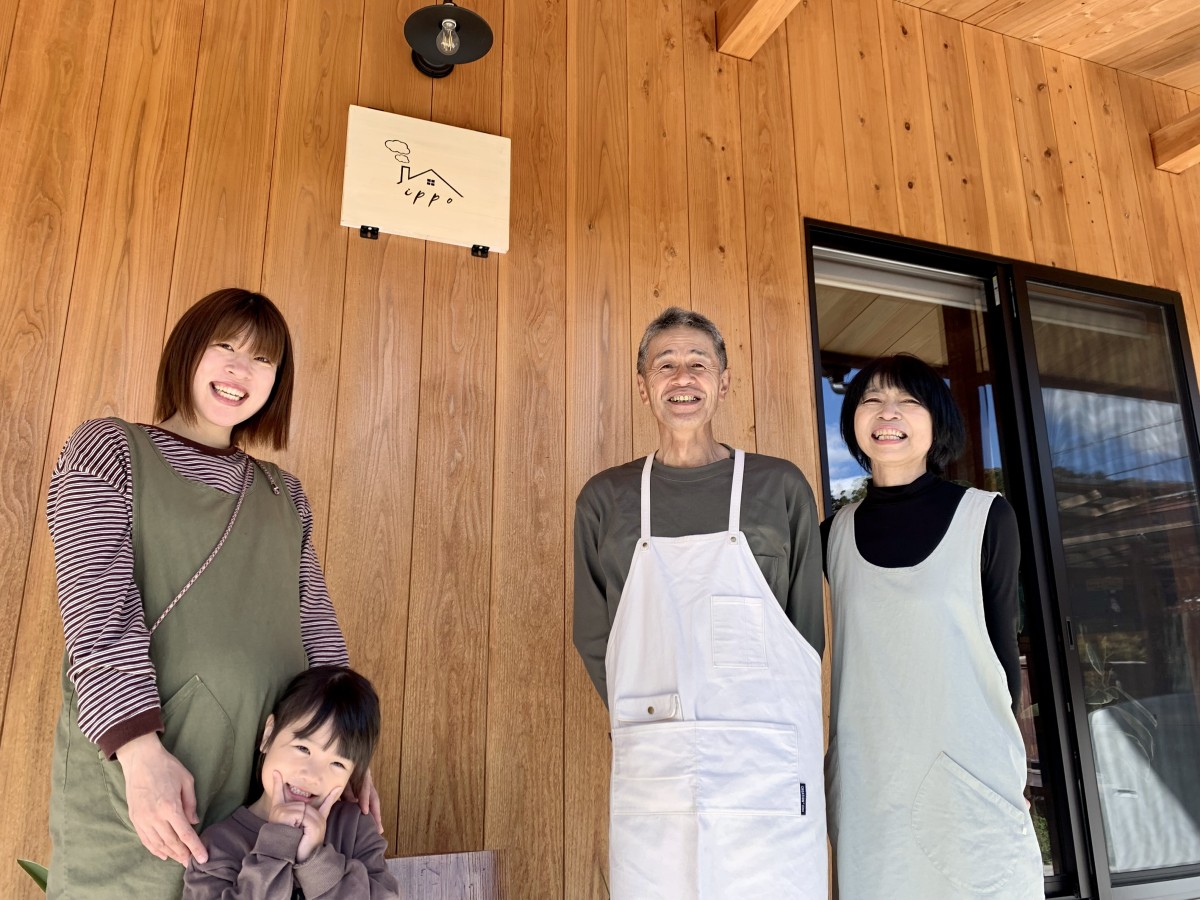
x,y
161,796
367,800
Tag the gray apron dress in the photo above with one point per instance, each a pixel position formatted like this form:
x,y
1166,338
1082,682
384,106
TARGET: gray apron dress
x,y
222,658
926,768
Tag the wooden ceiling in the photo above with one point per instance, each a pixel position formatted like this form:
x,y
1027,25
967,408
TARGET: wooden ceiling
x,y
1157,39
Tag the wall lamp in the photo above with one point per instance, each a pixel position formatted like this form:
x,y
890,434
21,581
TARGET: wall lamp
x,y
445,35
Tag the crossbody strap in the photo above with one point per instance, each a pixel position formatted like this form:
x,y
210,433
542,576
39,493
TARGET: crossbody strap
x,y
247,477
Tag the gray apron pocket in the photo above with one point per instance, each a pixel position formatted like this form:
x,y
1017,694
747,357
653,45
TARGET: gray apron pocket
x,y
970,834
198,733
738,634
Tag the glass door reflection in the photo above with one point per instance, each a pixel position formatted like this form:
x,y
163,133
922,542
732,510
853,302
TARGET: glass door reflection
x,y
1117,436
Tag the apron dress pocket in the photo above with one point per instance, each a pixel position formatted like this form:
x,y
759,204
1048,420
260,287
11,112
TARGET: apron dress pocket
x,y
738,632
970,834
197,732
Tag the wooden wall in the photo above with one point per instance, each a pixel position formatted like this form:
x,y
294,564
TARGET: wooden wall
x,y
450,408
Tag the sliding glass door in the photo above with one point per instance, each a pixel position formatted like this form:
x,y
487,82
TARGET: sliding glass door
x,y
1080,401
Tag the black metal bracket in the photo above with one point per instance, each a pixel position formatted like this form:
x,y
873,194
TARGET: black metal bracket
x,y
480,251
370,232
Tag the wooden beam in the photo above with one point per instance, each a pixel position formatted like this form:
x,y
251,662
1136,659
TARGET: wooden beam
x,y
1177,146
744,25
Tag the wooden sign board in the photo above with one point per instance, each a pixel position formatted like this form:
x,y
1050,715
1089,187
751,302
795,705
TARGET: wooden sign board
x,y
425,180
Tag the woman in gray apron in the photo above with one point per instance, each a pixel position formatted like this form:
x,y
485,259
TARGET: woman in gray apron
x,y
926,767
190,596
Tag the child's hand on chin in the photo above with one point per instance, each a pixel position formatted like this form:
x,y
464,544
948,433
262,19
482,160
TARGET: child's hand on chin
x,y
315,819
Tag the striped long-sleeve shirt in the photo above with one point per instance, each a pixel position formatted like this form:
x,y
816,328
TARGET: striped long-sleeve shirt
x,y
90,511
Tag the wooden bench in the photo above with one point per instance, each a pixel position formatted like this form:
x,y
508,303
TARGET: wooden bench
x,y
450,876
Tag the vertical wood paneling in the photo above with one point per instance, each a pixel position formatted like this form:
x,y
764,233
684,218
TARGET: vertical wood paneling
x,y
816,113
716,211
1131,252
784,414
304,266
445,715
110,346
865,126
918,189
441,777
8,17
959,165
226,184
369,557
657,171
999,153
524,788
1154,186
1039,155
1172,104
46,130
1081,172
625,141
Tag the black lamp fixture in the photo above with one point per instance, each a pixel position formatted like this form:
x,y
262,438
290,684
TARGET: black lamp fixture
x,y
445,35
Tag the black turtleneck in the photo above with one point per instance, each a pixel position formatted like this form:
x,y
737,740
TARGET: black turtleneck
x,y
885,536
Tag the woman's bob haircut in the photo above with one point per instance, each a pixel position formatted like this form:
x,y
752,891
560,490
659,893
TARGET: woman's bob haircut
x,y
917,378
230,313
338,696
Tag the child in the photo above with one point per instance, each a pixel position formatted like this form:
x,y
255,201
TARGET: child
x,y
297,840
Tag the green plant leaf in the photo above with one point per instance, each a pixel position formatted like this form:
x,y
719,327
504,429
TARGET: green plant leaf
x,y
36,871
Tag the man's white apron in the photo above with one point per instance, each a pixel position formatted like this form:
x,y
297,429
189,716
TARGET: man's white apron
x,y
715,699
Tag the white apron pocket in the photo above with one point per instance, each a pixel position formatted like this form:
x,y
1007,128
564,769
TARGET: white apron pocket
x,y
653,769
738,636
970,834
749,768
650,708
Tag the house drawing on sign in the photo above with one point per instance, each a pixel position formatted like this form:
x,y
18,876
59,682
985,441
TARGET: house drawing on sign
x,y
428,185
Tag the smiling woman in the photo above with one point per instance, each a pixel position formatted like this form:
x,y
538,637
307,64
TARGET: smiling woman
x,y
170,675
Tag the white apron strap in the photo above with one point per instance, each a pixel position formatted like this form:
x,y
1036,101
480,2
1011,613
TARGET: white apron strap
x,y
646,496
735,495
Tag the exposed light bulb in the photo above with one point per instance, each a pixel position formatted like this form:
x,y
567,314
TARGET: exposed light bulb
x,y
447,40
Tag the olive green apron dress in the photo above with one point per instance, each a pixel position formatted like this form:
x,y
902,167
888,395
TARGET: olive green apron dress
x,y
222,658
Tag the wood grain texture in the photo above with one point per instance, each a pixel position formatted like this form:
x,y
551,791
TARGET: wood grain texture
x,y
1177,143
304,264
1080,169
482,875
1044,193
1131,252
8,18
657,199
445,705
743,26
914,153
865,125
784,415
1154,187
999,152
47,129
816,113
625,141
1172,104
368,559
716,212
959,167
524,788
442,773
223,220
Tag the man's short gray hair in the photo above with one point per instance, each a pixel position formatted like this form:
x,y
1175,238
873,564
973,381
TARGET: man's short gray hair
x,y
677,317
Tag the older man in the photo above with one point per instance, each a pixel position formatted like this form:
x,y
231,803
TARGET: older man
x,y
698,615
